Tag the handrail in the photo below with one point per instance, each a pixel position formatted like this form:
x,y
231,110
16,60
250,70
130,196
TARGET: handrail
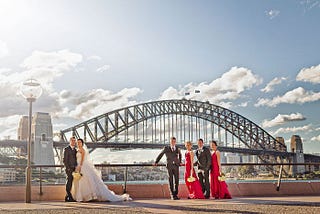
x,y
143,164
126,166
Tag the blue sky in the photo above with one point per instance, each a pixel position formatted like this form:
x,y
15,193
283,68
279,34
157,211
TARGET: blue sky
x,y
257,58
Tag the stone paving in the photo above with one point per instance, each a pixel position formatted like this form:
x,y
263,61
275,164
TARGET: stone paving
x,y
299,204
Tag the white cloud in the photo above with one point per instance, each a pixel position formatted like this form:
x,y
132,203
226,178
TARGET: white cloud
x,y
47,66
11,102
104,68
9,126
225,104
5,71
61,60
244,104
3,49
281,119
220,91
316,138
272,13
293,130
298,95
98,58
63,105
311,74
99,101
275,81
310,4
236,80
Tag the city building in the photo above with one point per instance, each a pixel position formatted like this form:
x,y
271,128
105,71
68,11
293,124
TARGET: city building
x,y
7,175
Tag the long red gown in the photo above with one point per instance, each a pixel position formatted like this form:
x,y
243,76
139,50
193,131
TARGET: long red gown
x,y
219,189
194,188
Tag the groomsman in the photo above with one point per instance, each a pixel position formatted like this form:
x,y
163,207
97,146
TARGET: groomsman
x,y
204,164
173,155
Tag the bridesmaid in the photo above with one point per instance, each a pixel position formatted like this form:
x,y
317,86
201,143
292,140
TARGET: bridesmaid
x,y
190,177
219,189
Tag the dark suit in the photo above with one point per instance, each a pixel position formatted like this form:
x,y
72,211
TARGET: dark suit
x,y
204,164
70,162
173,163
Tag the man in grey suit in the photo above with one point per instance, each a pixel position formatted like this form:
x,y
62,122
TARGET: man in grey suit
x,y
173,155
70,162
204,165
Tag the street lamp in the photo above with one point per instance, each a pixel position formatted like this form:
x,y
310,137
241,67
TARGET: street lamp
x,y
31,90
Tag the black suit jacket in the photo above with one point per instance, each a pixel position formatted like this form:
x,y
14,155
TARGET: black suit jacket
x,y
204,159
69,158
173,157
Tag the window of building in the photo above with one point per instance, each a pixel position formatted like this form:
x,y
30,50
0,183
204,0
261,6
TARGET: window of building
x,y
43,137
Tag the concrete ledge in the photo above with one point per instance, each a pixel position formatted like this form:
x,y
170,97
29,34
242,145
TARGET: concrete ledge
x,y
269,189
138,191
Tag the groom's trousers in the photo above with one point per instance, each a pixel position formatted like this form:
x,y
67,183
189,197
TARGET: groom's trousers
x,y
69,183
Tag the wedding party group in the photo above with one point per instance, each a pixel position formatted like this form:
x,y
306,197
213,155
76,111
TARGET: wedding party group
x,y
84,182
209,177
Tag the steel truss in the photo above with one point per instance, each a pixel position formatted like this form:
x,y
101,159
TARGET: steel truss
x,y
104,127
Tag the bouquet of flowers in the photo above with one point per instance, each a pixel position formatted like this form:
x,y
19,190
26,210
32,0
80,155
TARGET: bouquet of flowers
x,y
191,179
76,175
222,177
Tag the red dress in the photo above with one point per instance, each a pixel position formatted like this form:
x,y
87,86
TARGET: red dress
x,y
219,189
194,188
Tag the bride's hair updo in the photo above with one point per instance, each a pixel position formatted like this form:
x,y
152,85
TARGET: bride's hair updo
x,y
81,141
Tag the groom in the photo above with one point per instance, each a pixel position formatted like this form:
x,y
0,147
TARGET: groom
x,y
70,162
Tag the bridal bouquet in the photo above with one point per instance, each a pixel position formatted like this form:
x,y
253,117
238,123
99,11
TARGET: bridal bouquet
x,y
191,179
222,177
76,175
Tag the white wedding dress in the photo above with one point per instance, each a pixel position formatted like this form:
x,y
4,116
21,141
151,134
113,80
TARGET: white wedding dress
x,y
90,186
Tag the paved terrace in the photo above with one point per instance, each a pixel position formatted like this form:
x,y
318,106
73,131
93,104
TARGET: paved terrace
x,y
262,197
251,205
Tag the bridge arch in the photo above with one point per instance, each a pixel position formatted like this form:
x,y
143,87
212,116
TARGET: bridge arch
x,y
104,127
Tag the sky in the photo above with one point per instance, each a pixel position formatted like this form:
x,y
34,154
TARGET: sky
x,y
257,58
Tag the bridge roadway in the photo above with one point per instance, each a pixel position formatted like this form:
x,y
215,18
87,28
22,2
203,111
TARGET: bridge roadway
x,y
116,145
251,205
248,151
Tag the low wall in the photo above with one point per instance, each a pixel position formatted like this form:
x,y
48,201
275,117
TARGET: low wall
x,y
136,191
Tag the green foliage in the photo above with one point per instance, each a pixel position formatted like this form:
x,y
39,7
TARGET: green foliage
x,y
246,171
12,160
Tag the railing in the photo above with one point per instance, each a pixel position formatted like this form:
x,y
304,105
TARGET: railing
x,y
147,173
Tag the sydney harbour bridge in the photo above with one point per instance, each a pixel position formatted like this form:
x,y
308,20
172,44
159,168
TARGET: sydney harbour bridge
x,y
151,124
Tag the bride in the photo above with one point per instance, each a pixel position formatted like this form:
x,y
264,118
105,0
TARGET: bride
x,y
90,186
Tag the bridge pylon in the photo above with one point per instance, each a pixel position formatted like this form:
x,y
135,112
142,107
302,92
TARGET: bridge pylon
x,y
41,137
297,148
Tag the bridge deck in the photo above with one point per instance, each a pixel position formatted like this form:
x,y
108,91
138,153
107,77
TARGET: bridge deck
x,y
297,204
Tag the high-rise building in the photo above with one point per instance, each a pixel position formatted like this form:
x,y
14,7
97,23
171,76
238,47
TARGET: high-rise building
x,y
23,128
281,140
